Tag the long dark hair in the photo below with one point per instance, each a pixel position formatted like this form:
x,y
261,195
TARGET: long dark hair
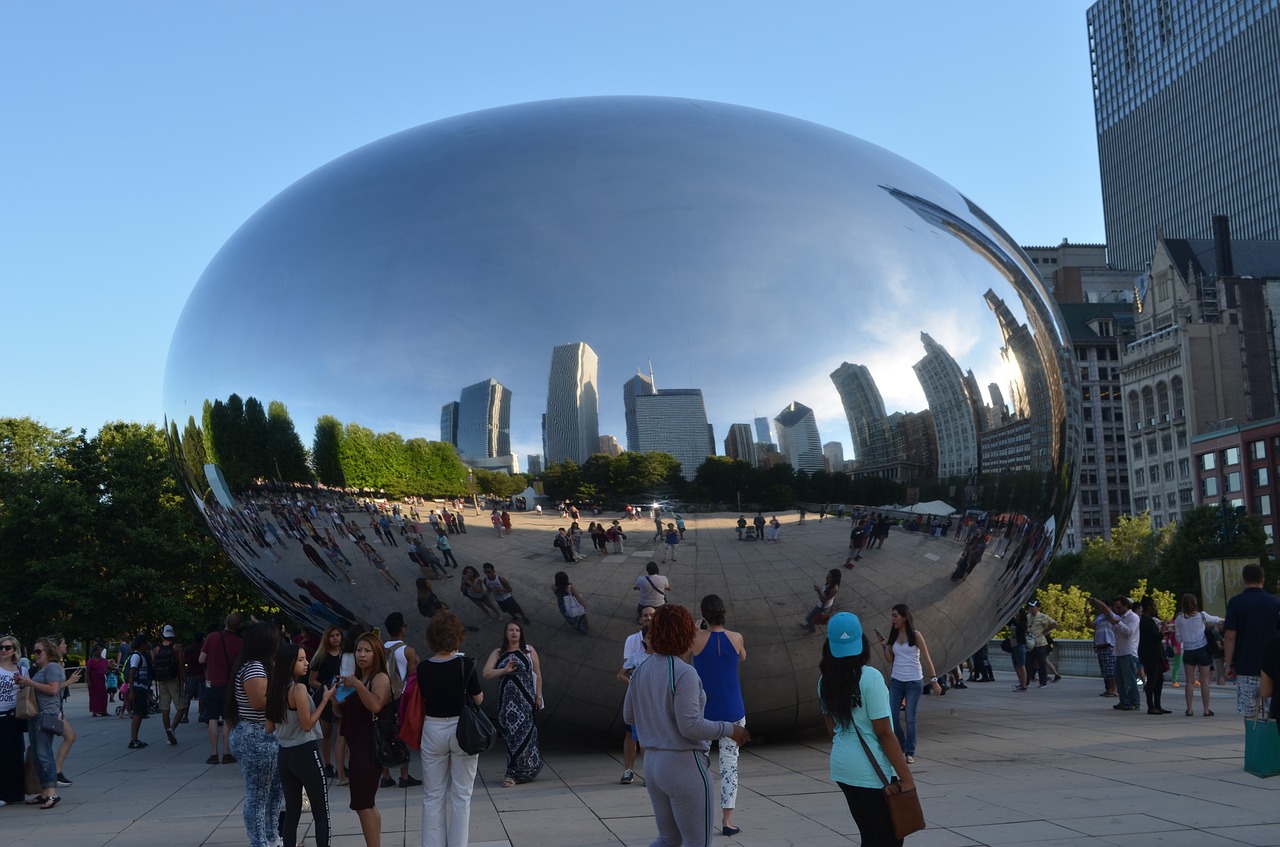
x,y
260,642
904,612
841,688
562,583
281,678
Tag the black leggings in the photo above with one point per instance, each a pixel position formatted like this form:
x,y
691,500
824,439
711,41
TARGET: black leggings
x,y
871,813
1155,683
301,767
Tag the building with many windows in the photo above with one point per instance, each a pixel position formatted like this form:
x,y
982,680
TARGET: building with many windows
x,y
833,456
1097,331
571,426
798,441
1203,358
674,420
873,442
609,446
1236,466
1185,100
740,444
449,423
484,421
957,413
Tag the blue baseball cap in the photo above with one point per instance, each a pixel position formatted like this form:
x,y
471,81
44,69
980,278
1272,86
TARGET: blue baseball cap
x,y
844,635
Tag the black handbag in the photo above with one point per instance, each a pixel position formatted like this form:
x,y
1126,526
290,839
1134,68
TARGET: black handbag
x,y
475,731
50,723
389,750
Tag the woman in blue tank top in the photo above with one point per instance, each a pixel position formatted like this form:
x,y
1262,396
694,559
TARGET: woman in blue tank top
x,y
717,652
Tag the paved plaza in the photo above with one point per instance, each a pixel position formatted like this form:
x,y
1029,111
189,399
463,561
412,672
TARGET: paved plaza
x,y
1055,767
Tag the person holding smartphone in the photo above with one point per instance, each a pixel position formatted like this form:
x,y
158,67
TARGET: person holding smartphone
x,y
908,655
297,724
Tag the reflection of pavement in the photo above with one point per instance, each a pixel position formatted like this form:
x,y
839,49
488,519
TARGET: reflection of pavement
x,y
767,587
1056,767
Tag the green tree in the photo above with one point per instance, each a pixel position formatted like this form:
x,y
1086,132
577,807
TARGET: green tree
x,y
326,451
104,540
1111,567
1207,532
289,457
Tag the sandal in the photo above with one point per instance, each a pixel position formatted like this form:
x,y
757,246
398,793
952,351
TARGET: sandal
x,y
212,760
50,802
508,783
1190,713
1209,714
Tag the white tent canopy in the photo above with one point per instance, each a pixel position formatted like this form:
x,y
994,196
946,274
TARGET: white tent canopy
x,y
935,508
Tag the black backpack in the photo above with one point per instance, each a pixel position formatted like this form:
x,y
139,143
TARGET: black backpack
x,y
165,665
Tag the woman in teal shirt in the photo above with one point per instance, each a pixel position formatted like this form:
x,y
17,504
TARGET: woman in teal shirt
x,y
855,702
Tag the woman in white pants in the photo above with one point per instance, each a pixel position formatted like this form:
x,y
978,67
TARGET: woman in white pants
x,y
448,774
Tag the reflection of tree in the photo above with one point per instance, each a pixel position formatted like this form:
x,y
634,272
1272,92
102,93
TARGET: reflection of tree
x,y
248,442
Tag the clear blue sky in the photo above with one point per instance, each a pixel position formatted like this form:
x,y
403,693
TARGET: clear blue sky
x,y
137,137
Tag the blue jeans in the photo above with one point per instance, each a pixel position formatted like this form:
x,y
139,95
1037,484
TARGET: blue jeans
x,y
904,722
42,750
1127,680
259,757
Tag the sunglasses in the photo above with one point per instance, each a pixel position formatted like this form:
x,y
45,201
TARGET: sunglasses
x,y
7,647
38,650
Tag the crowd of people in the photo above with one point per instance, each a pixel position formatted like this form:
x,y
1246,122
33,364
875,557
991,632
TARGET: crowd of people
x,y
298,716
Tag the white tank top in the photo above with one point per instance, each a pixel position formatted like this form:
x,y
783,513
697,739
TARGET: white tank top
x,y
906,662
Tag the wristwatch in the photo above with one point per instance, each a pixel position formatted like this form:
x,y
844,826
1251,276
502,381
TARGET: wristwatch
x,y
933,679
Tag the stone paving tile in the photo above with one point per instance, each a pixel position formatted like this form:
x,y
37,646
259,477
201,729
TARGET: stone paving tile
x,y
1056,768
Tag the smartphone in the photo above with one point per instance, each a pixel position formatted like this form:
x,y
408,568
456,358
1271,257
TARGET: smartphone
x,y
878,633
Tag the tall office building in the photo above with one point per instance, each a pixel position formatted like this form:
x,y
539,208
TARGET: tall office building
x,y
740,444
449,423
1185,100
609,446
763,435
873,442
638,386
673,420
484,421
955,413
533,464
833,455
1202,360
571,427
798,440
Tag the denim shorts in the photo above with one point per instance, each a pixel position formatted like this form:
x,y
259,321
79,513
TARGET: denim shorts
x,y
1197,658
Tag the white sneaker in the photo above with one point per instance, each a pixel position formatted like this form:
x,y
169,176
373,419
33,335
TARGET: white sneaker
x,y
627,777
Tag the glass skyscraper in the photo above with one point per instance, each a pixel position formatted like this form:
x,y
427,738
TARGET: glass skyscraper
x,y
1187,103
798,440
484,421
673,420
571,427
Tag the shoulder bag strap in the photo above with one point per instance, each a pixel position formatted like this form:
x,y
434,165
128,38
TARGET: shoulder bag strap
x,y
655,587
867,750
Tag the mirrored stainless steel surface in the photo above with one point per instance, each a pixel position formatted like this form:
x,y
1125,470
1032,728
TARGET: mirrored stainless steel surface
x,y
759,258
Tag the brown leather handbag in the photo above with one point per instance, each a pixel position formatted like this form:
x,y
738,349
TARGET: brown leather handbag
x,y
904,806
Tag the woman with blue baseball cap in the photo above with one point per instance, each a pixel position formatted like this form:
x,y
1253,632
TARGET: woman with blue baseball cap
x,y
855,704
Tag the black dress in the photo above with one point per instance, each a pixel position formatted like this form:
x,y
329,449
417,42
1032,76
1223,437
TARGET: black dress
x,y
362,770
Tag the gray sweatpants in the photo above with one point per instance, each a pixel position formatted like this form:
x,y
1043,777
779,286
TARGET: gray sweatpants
x,y
679,783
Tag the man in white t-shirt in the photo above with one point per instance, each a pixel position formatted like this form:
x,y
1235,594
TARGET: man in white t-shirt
x,y
1124,623
401,661
634,652
653,588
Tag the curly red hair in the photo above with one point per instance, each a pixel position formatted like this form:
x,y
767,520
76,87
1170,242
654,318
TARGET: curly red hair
x,y
671,632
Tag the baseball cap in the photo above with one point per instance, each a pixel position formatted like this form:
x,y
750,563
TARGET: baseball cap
x,y
844,635
1033,604
168,632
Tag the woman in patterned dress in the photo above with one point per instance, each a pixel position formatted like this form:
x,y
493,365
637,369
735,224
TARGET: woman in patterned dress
x,y
515,663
